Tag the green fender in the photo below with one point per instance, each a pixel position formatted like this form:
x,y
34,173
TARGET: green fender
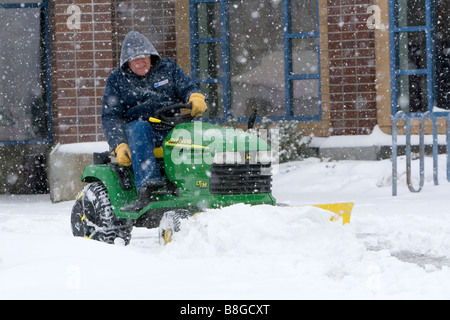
x,y
118,196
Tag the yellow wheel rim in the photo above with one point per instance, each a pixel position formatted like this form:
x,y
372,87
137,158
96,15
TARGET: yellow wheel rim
x,y
168,236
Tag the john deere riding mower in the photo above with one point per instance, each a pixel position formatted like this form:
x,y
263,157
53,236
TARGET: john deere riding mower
x,y
203,166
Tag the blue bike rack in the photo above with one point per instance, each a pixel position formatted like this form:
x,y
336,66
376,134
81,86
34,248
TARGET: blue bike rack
x,y
421,117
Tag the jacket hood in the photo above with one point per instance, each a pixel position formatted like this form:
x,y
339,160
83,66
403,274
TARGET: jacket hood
x,y
135,45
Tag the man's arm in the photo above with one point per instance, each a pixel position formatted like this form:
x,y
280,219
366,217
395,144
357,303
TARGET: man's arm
x,y
113,121
188,91
184,85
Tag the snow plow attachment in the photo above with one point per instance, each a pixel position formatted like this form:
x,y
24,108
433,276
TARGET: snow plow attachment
x,y
341,210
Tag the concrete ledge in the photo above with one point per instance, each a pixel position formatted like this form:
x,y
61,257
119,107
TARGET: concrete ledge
x,y
65,166
376,146
351,153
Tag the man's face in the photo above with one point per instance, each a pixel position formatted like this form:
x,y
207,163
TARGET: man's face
x,y
140,66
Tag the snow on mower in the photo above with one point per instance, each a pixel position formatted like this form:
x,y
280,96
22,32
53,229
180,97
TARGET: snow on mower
x,y
204,166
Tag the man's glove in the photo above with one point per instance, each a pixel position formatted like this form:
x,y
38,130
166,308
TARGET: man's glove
x,y
123,154
198,104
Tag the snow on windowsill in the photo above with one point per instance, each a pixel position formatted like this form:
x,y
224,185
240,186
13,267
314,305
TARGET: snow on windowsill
x,y
376,138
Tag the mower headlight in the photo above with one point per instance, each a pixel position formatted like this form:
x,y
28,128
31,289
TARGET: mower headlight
x,y
264,157
241,157
227,158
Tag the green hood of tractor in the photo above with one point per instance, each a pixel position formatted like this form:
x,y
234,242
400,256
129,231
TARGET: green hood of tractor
x,y
210,138
192,148
212,166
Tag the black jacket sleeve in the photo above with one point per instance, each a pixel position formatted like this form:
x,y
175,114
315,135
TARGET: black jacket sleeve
x,y
113,120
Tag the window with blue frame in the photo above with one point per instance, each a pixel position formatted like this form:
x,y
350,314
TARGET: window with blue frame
x,y
420,55
257,55
24,72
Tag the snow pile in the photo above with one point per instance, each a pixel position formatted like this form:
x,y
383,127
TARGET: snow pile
x,y
302,233
394,247
298,243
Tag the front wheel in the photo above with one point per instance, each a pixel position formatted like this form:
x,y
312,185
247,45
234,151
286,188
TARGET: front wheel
x,y
170,223
93,217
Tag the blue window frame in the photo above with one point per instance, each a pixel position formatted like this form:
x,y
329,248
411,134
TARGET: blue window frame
x,y
420,55
25,74
302,67
263,55
209,53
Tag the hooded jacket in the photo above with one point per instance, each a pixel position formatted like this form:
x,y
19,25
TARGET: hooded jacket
x,y
130,97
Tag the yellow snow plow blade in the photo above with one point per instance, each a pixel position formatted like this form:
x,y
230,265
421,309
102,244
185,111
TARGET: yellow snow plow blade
x,y
343,210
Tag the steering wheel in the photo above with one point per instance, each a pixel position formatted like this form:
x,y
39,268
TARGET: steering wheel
x,y
168,122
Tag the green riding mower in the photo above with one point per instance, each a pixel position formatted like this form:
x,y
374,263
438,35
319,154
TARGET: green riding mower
x,y
203,166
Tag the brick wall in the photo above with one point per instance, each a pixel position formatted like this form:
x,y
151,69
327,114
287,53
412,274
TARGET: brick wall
x,y
155,19
84,57
82,61
351,51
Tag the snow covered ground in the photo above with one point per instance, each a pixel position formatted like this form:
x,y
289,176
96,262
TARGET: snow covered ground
x,y
394,248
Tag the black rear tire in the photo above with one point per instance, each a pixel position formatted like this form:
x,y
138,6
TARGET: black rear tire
x,y
93,216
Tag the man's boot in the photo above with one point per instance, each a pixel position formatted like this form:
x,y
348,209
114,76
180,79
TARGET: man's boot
x,y
144,196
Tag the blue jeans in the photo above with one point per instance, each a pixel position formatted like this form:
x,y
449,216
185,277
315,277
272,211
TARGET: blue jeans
x,y
142,139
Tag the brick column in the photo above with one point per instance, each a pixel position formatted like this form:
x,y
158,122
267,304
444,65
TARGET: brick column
x,y
155,19
353,105
82,61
